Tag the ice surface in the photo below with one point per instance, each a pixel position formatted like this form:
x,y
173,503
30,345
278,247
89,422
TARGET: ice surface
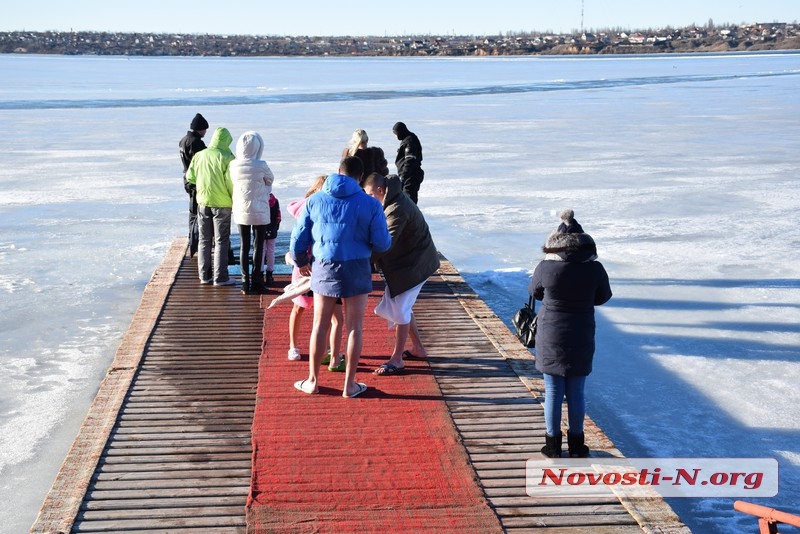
x,y
683,168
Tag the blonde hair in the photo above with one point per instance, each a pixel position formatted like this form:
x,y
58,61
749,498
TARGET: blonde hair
x,y
317,185
358,140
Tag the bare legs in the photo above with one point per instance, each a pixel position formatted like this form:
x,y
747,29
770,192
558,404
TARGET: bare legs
x,y
294,325
335,341
324,308
337,322
354,320
401,334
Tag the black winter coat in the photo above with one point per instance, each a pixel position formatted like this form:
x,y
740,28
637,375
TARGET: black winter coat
x,y
570,285
409,158
188,146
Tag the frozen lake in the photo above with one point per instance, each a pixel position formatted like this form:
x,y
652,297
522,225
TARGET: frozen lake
x,y
683,168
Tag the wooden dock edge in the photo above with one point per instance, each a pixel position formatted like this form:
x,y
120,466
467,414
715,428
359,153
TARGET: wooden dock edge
x,y
653,514
63,501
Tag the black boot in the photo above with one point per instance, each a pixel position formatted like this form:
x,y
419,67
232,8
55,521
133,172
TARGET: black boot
x,y
552,446
576,447
245,284
270,278
258,287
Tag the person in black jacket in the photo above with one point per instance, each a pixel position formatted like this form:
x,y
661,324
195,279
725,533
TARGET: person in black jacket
x,y
189,145
409,160
570,283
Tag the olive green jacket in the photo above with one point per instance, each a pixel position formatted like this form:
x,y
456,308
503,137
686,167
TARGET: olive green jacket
x,y
413,257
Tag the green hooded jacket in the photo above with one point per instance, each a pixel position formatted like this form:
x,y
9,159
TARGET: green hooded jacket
x,y
210,172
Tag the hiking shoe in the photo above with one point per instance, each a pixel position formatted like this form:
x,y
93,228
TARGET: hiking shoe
x,y
294,354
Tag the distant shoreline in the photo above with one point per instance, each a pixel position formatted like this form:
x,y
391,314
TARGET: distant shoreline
x,y
753,37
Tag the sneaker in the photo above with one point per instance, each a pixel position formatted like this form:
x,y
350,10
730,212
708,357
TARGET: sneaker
x,y
294,354
326,359
228,282
205,282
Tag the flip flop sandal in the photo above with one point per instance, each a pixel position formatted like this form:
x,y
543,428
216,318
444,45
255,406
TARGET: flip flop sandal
x,y
388,369
299,385
361,389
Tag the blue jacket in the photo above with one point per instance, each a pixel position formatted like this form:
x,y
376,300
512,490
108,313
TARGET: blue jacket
x,y
341,222
570,283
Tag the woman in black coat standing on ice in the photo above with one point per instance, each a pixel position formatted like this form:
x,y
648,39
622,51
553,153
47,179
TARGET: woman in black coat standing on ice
x,y
570,283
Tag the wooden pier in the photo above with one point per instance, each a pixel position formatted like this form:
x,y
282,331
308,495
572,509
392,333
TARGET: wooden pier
x,y
166,444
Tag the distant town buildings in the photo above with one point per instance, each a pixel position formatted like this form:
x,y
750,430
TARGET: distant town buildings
x,y
761,36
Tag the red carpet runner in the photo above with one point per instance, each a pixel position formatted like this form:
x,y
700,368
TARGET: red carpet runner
x,y
387,461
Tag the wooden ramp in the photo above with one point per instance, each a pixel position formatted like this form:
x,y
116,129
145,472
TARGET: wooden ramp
x,y
166,444
495,395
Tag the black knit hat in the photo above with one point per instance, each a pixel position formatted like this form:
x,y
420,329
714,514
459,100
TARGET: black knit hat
x,y
199,123
400,130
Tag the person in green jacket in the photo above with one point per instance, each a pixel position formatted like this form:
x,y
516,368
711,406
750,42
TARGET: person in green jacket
x,y
210,172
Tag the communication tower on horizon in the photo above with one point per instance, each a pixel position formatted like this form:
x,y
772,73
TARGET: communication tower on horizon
x,y
582,17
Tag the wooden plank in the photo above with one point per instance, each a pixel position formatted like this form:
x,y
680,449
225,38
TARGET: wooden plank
x,y
164,504
177,458
493,393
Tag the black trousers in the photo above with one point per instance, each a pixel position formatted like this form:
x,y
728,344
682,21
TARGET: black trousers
x,y
259,234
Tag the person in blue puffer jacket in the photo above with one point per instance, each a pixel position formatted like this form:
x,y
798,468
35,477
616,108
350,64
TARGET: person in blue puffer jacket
x,y
344,226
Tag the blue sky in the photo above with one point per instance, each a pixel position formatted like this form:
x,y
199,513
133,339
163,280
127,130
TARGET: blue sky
x,y
379,17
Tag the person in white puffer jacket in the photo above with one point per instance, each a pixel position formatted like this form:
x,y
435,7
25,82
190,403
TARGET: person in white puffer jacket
x,y
252,184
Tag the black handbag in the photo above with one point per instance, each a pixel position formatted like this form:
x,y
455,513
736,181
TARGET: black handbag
x,y
525,324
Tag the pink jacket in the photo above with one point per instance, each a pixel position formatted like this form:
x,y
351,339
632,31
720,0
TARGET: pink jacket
x,y
294,208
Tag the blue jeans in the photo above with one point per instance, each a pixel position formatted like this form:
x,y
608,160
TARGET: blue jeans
x,y
214,225
555,387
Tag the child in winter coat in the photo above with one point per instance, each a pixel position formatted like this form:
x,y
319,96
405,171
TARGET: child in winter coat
x,y
271,236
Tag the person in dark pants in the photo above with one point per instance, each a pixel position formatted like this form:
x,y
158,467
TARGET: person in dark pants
x,y
271,237
570,283
409,160
210,172
189,145
252,188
